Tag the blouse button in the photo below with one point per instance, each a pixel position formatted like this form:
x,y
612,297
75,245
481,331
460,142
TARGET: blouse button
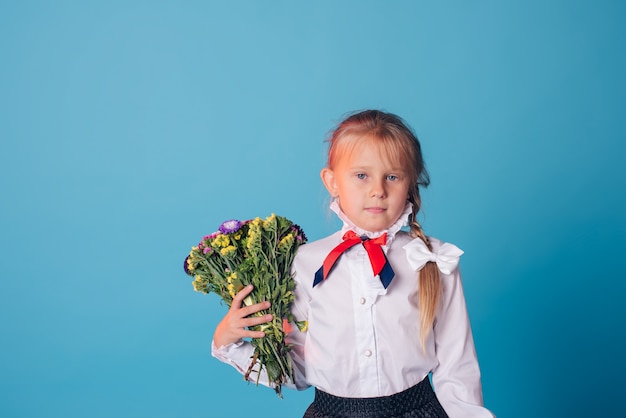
x,y
362,301
368,353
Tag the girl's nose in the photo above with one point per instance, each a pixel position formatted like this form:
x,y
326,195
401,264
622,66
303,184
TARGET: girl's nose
x,y
378,189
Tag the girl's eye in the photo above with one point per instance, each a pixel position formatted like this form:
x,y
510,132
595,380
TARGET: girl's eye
x,y
391,177
361,176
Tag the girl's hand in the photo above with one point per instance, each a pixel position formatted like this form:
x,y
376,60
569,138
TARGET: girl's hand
x,y
234,325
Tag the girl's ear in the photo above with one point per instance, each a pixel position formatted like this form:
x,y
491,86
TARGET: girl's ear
x,y
328,177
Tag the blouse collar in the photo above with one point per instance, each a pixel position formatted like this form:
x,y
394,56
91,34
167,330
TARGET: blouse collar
x,y
348,225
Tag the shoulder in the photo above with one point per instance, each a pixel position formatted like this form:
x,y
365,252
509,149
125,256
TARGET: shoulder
x,y
309,259
311,255
436,243
403,237
320,246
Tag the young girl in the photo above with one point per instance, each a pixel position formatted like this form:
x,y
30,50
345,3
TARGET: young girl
x,y
385,307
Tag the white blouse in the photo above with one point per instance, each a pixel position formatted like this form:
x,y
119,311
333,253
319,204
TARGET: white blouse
x,y
364,340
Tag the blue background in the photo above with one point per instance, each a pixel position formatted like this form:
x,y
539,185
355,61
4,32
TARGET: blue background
x,y
129,129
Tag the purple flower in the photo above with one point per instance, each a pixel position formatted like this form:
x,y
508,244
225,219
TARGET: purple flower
x,y
229,227
299,233
185,266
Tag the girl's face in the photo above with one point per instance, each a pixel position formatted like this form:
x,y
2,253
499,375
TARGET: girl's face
x,y
372,190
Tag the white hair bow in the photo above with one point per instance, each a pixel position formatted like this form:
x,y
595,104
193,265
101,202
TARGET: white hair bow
x,y
446,257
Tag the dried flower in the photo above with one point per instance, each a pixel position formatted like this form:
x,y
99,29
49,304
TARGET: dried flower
x,y
186,265
258,252
228,227
299,233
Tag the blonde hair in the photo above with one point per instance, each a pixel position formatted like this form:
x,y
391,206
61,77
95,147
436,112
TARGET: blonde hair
x,y
401,145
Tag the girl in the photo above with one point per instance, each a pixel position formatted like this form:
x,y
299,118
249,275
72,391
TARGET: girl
x,y
385,307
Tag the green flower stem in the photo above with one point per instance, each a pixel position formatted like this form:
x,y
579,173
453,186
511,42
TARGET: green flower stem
x,y
278,359
248,301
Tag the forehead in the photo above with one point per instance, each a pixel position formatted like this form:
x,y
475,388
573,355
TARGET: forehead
x,y
365,150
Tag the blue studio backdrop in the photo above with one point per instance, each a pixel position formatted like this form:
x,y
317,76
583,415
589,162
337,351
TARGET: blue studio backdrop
x,y
130,129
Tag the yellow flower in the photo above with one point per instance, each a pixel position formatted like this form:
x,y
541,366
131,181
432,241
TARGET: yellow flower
x,y
200,284
221,241
303,325
269,223
231,249
251,240
285,243
254,234
231,289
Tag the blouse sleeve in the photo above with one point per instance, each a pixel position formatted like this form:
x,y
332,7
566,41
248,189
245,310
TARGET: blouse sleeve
x,y
239,355
457,377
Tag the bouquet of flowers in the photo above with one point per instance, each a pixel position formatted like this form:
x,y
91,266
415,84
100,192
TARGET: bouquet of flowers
x,y
257,252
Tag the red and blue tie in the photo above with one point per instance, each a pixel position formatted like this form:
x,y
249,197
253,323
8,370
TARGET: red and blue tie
x,y
373,246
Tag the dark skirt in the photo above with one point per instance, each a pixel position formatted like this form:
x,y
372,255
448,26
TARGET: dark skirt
x,y
417,402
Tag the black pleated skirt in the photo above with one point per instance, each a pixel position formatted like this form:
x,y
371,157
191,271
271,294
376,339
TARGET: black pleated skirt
x,y
417,402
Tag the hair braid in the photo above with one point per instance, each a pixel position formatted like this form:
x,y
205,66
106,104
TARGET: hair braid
x,y
429,285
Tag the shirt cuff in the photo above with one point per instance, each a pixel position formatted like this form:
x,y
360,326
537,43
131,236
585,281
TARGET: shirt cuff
x,y
238,354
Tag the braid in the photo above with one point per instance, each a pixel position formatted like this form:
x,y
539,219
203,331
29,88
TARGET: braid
x,y
429,280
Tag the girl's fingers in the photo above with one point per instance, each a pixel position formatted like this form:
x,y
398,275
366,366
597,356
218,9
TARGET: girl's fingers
x,y
252,309
253,334
247,310
241,318
241,327
256,320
